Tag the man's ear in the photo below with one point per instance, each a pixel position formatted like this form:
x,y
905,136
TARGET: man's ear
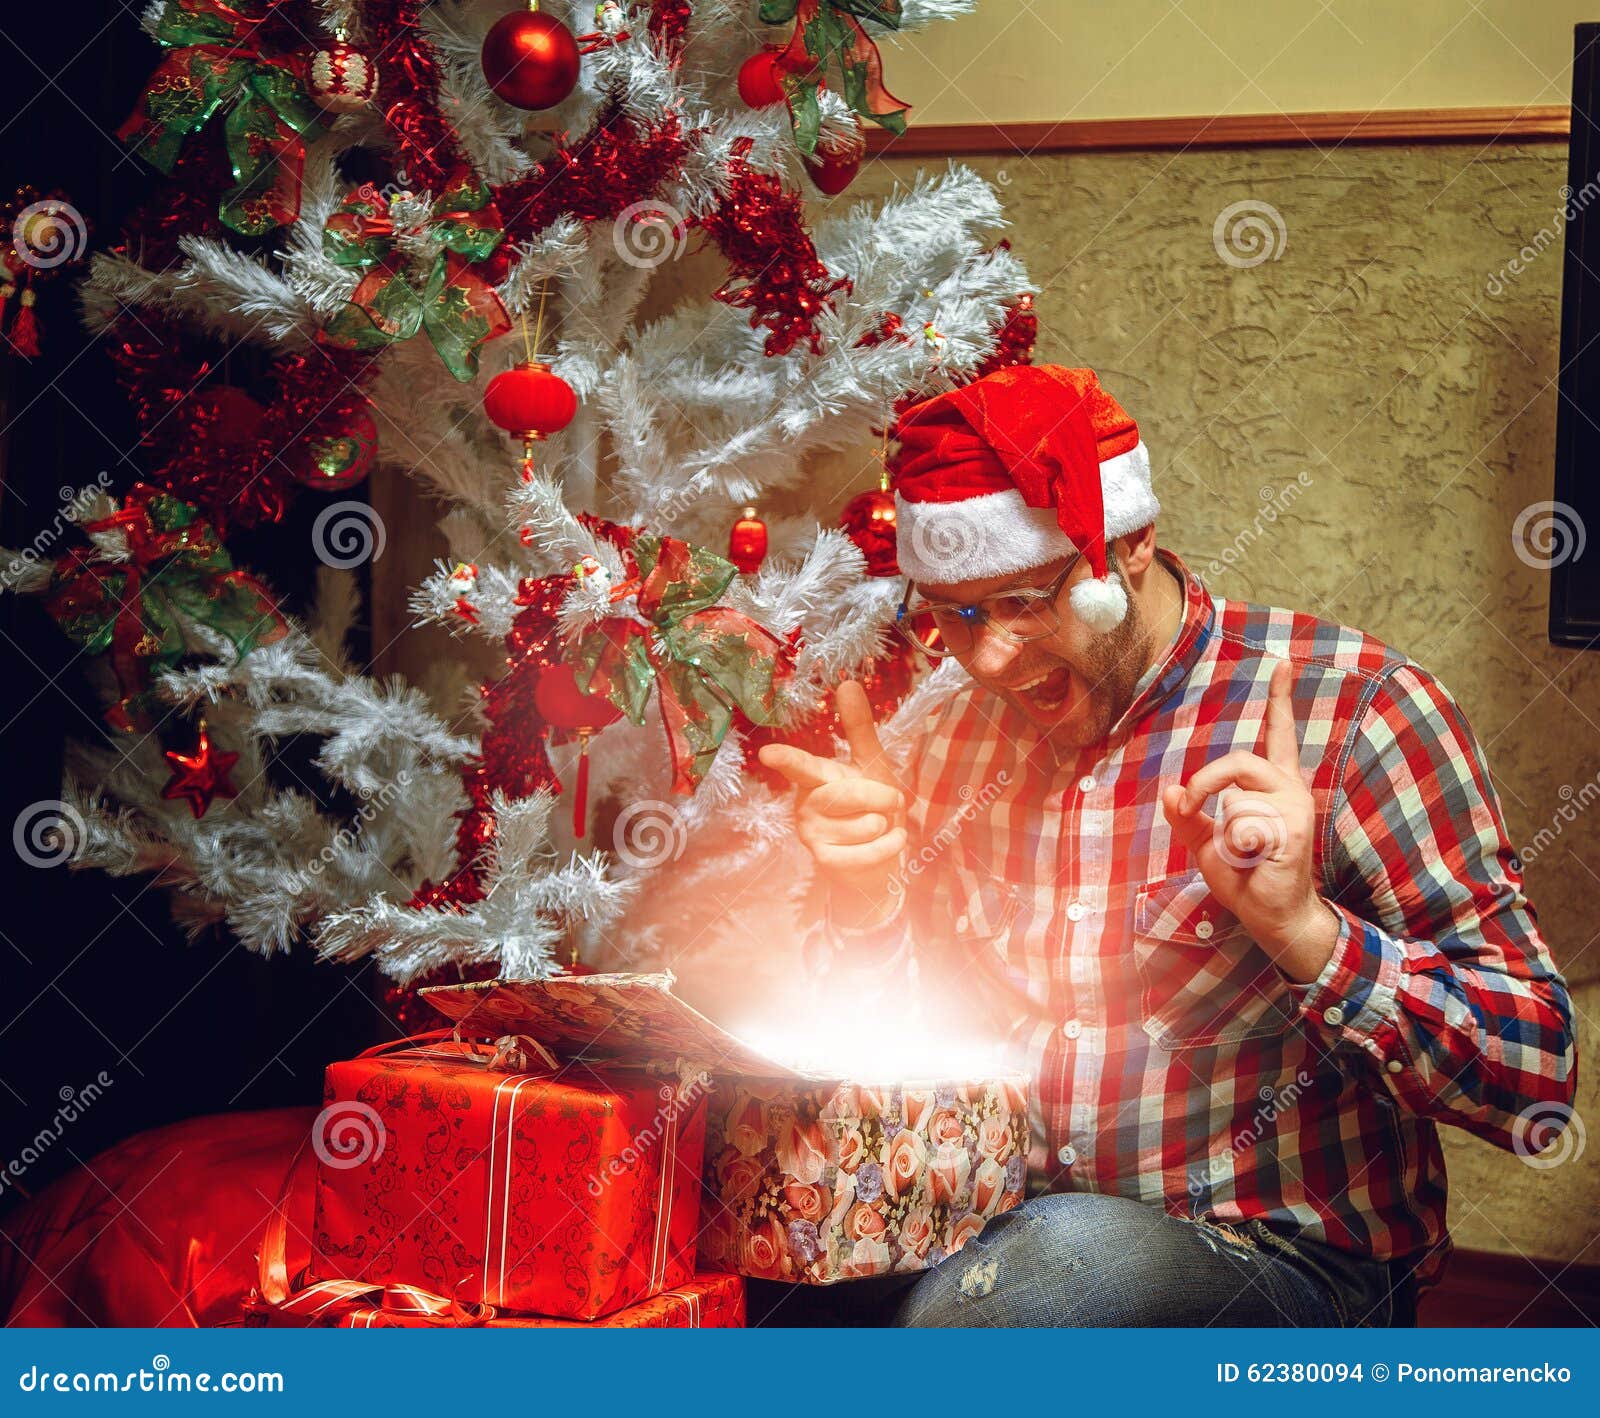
x,y
1136,551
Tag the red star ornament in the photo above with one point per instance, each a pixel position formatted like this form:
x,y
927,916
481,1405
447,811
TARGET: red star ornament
x,y
200,776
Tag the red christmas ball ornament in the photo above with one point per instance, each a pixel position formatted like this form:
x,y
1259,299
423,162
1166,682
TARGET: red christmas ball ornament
x,y
337,460
530,59
747,542
758,79
341,79
834,167
868,519
530,401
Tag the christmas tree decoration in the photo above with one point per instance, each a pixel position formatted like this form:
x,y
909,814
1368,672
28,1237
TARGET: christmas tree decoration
x,y
200,776
775,271
48,235
758,79
454,303
611,27
833,166
426,146
747,542
176,574
530,402
566,707
341,79
219,55
530,59
868,520
703,660
828,35
463,580
334,461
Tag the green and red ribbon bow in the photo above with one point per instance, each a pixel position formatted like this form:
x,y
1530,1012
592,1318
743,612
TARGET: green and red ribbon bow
x,y
178,572
455,304
703,659
829,33
216,58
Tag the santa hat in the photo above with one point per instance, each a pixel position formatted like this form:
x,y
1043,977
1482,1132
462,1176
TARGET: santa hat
x,y
1016,470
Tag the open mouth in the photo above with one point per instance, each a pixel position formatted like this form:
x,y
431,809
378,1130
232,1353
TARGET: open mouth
x,y
1048,692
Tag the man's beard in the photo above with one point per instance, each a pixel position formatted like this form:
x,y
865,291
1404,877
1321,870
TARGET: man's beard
x,y
1113,666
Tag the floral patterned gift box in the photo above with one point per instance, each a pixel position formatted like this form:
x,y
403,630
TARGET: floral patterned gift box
x,y
808,1179
817,1183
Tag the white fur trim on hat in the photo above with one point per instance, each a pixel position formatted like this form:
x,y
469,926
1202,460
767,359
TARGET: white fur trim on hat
x,y
938,543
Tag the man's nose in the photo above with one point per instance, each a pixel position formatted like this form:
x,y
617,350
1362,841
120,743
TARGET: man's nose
x,y
990,654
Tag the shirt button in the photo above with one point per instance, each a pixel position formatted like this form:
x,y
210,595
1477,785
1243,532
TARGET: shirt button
x,y
1067,1155
1075,910
1333,1015
962,922
1394,1066
1086,783
1072,1028
1203,929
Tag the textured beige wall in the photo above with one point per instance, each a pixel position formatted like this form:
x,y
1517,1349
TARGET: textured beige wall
x,y
1018,60
1351,427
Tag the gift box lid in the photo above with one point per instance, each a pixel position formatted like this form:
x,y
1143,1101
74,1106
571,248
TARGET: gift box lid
x,y
634,1017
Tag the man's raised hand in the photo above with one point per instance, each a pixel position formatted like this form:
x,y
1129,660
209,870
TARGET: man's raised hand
x,y
850,816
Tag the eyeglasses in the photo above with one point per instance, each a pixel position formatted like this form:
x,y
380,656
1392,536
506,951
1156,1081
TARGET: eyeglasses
x,y
942,628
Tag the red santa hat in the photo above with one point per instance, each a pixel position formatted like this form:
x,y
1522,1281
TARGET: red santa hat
x,y
1015,470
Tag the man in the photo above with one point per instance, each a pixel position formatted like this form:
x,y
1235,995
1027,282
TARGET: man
x,y
1238,876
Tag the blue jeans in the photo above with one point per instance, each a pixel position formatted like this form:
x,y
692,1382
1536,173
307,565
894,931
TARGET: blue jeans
x,y
1082,1260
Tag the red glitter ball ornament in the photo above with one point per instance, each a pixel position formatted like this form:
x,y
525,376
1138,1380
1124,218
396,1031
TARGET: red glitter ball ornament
x,y
758,79
334,459
341,79
868,519
530,60
530,401
747,542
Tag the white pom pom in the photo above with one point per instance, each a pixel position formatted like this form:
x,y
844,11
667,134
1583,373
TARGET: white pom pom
x,y
1101,603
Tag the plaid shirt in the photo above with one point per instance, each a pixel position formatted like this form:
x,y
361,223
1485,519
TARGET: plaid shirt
x,y
1173,1063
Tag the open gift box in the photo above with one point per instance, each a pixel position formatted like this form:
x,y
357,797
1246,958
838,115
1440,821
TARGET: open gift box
x,y
808,1178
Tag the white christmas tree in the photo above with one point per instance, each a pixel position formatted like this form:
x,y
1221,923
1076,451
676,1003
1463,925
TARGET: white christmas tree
x,y
680,421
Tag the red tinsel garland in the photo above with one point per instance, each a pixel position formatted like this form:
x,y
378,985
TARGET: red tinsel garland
x,y
776,273
669,25
212,443
408,93
609,168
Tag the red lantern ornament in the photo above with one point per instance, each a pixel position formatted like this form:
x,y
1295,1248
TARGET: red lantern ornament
x,y
200,776
868,520
562,705
531,402
341,79
335,461
758,79
530,59
834,165
747,542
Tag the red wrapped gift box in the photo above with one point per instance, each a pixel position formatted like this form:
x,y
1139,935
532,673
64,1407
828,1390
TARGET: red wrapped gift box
x,y
559,1191
706,1302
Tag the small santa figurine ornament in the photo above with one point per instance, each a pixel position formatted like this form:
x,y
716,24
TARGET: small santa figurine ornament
x,y
1018,469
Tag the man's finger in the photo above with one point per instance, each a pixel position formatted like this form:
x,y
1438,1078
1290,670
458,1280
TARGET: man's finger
x,y
861,732
1232,770
1189,829
846,797
1283,746
804,770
